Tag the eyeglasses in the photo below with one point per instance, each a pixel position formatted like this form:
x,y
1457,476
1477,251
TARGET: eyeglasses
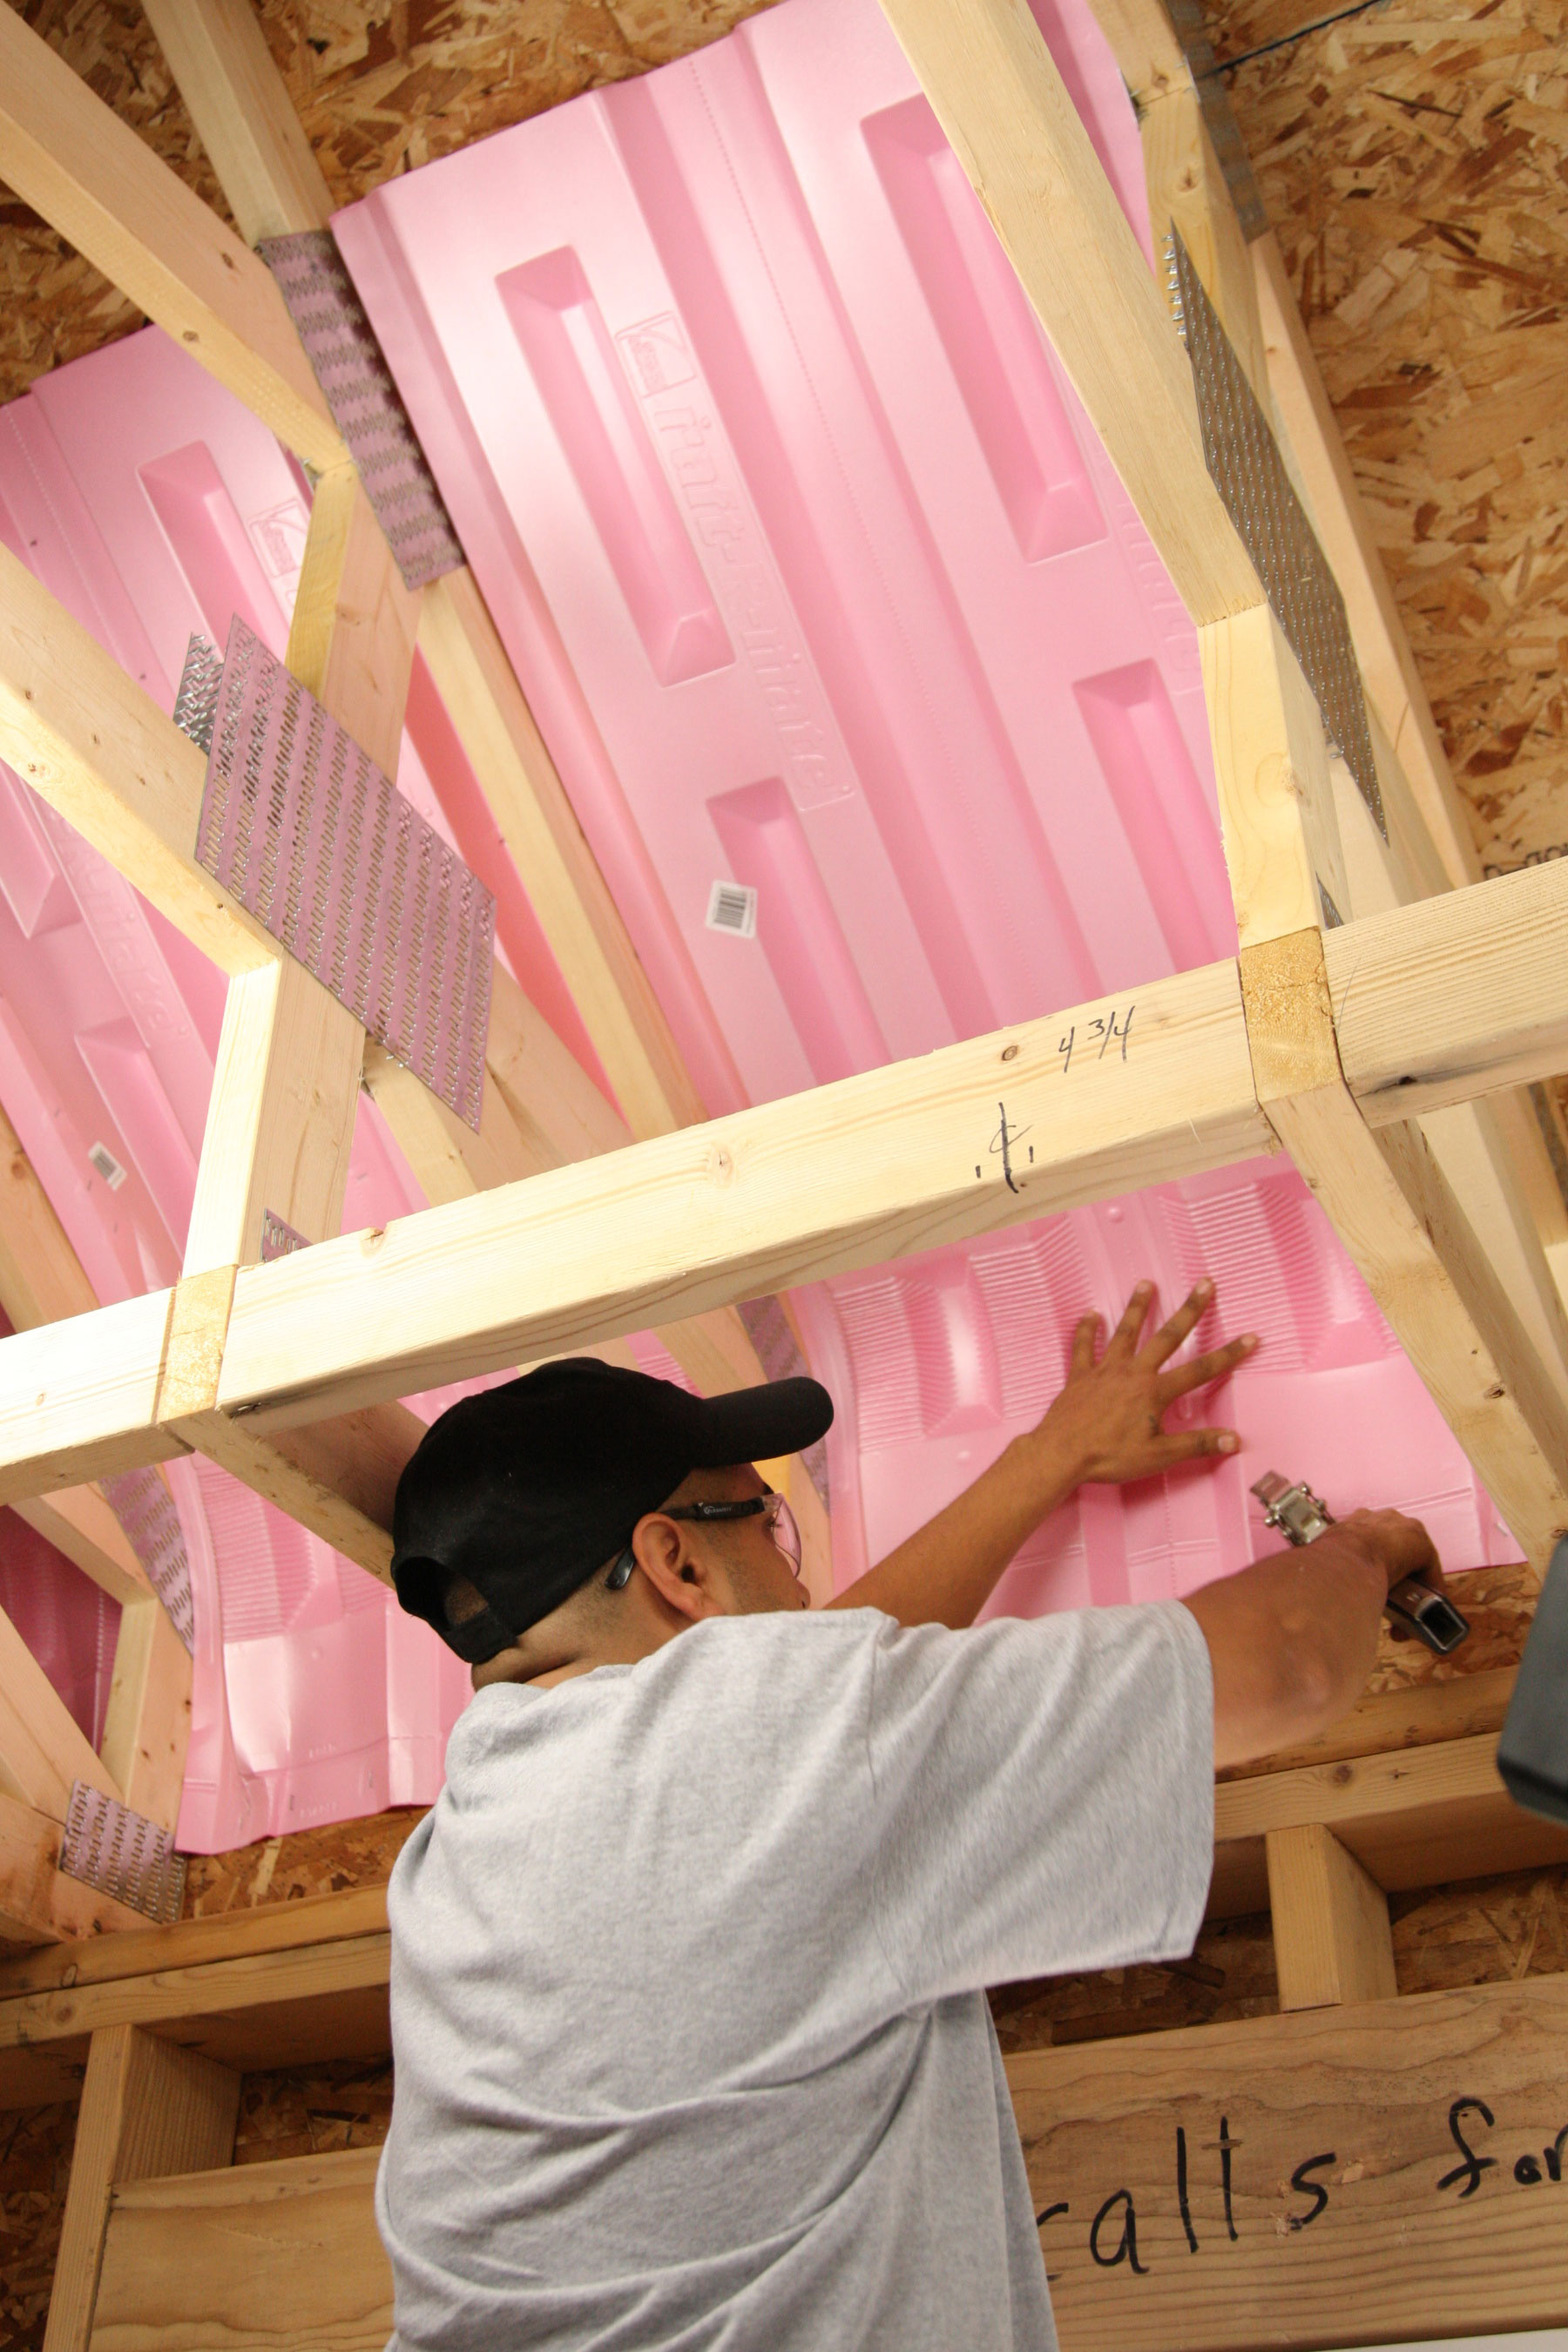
x,y
782,1525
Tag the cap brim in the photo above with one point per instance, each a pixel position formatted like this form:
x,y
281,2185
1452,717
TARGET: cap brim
x,y
758,1425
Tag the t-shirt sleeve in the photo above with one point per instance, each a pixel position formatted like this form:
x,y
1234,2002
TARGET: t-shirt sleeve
x,y
1042,1794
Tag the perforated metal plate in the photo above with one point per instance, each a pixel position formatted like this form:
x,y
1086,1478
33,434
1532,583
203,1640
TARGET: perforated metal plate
x,y
309,834
366,405
145,1510
1250,476
123,1854
197,697
279,1238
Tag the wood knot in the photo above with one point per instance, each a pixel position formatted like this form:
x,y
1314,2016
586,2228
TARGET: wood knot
x,y
1342,1775
1009,1053
721,1165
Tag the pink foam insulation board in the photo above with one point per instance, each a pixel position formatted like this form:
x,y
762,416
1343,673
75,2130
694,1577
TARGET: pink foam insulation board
x,y
880,711
882,719
153,505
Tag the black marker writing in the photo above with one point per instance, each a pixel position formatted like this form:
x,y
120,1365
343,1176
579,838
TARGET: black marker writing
x,y
1004,1140
1040,2220
1226,2145
1470,2172
1310,2189
1127,2244
1182,2190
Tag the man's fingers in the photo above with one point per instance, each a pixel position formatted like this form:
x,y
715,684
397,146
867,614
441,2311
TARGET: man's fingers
x,y
1205,1369
1192,1445
1082,1358
1169,1336
1125,1339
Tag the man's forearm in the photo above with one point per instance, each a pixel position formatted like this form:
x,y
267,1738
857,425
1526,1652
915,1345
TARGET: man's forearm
x,y
1292,1641
946,1573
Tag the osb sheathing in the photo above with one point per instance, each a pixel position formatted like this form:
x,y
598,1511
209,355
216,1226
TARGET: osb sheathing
x,y
307,1861
35,2145
1414,161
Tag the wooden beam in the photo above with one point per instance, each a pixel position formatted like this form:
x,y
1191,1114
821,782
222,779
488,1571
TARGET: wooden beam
x,y
38,1903
1332,1942
286,2255
314,1920
280,2257
1392,1208
1388,668
42,1280
99,749
1412,1817
1145,47
146,2108
1015,130
280,1117
1287,846
1317,2178
280,1120
80,1523
1422,1715
235,95
147,1723
1276,797
897,1159
579,918
66,154
283,2007
80,1398
42,1750
1188,192
1406,987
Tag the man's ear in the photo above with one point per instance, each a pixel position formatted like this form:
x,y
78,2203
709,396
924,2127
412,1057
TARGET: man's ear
x,y
682,1576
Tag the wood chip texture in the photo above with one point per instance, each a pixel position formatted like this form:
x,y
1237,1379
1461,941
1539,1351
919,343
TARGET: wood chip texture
x,y
311,1862
1414,161
35,2145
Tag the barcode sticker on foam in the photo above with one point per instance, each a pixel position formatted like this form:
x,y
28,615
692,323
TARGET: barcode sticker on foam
x,y
107,1167
731,906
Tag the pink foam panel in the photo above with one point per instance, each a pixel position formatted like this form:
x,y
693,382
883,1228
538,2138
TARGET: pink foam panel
x,y
819,582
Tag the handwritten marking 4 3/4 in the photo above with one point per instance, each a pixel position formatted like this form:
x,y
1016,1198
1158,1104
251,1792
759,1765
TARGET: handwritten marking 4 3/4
x,y
1103,1031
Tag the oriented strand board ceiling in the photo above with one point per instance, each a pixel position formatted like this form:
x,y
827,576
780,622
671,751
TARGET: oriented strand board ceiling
x,y
1414,154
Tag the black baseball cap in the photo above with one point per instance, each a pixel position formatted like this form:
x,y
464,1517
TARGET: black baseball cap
x,y
529,1489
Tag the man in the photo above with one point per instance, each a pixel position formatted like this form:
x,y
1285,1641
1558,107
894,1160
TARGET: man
x,y
688,1961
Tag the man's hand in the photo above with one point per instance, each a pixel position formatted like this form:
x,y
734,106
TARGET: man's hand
x,y
1107,1423
1294,1638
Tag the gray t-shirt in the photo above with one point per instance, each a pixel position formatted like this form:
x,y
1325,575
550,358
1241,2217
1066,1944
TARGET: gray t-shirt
x,y
686,1964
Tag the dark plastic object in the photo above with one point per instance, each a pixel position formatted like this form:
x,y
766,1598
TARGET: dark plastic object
x,y
1533,1754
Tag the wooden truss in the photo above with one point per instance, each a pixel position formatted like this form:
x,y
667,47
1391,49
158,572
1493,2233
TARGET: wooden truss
x,y
1387,1055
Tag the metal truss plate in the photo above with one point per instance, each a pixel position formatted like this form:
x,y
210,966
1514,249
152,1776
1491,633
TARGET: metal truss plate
x,y
1249,474
367,408
279,1238
145,1510
304,829
123,1854
197,697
